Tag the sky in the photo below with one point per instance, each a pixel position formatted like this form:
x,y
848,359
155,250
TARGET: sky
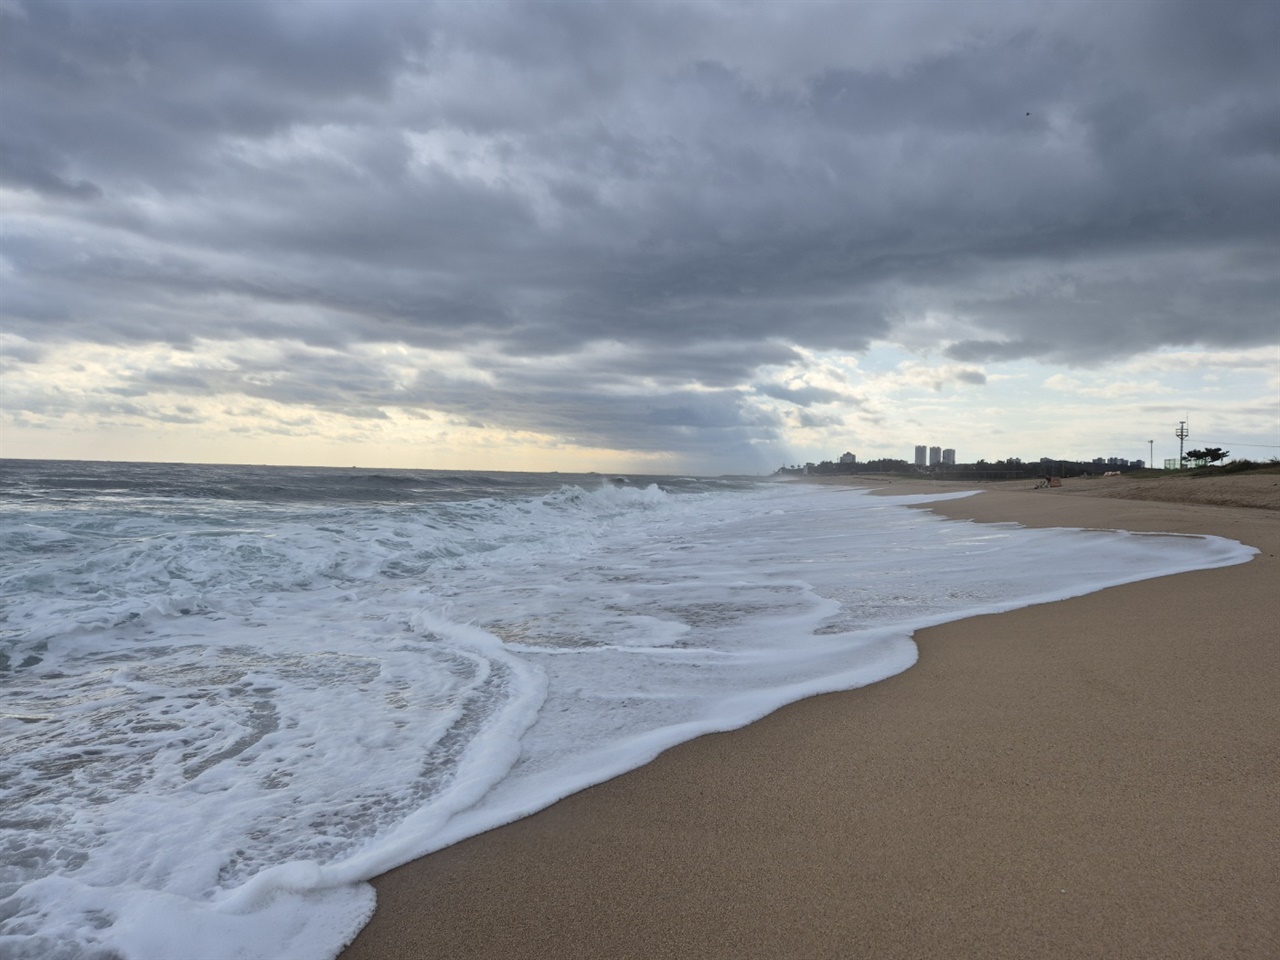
x,y
691,237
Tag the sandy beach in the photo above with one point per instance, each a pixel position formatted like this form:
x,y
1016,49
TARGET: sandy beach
x,y
1093,778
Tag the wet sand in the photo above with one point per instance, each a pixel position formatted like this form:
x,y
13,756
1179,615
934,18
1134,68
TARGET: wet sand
x,y
1093,778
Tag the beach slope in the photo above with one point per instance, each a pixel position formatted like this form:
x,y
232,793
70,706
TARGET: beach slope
x,y
1093,778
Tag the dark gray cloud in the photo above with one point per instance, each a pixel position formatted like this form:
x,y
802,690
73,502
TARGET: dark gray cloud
x,y
980,351
800,396
707,186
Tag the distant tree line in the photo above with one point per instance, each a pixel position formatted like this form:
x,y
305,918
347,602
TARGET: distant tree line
x,y
1206,456
1011,469
831,468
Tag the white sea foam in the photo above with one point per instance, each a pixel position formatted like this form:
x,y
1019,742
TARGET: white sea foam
x,y
221,717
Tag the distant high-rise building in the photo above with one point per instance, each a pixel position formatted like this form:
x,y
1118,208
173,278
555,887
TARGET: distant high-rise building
x,y
935,456
949,456
848,458
921,452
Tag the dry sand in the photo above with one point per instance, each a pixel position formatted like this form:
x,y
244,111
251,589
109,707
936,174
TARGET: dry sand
x,y
1095,778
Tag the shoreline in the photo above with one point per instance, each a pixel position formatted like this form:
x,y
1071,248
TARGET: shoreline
x,y
1095,777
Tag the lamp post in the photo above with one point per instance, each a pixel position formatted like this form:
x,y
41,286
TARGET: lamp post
x,y
1151,454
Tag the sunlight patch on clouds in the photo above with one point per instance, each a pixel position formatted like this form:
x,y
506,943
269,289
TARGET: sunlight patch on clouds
x,y
830,373
1105,387
81,382
500,164
466,156
916,375
832,402
1263,359
921,329
329,144
274,402
815,399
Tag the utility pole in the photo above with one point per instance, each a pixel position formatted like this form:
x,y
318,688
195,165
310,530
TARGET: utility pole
x,y
1181,433
1151,454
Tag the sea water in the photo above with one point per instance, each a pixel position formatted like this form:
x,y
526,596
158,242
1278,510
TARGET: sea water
x,y
231,695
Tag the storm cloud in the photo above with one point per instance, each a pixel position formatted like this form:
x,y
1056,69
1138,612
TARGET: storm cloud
x,y
624,215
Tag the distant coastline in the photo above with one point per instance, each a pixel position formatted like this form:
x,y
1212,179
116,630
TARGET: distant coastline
x,y
1257,488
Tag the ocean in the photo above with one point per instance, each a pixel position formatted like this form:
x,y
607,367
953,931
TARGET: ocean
x,y
233,694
